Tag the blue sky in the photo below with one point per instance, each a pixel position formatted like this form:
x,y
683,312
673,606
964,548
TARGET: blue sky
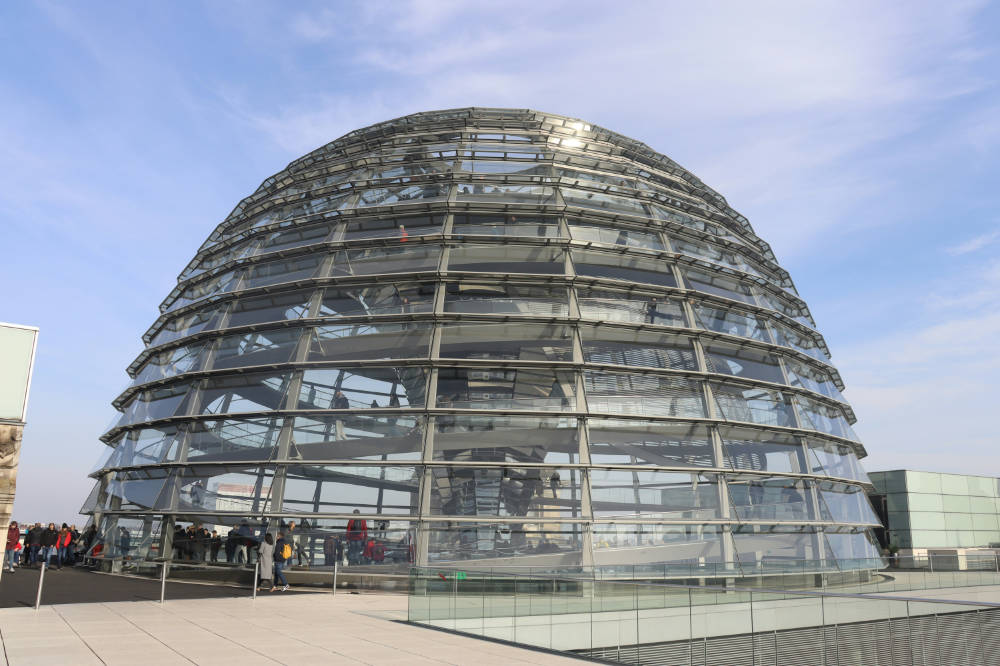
x,y
860,139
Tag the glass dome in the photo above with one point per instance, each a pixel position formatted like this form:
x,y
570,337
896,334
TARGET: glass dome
x,y
494,335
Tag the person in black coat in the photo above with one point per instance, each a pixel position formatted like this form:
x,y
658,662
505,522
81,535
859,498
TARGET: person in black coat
x,y
216,545
50,536
33,541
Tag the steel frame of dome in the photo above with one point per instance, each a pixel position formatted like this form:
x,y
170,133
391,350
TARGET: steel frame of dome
x,y
576,354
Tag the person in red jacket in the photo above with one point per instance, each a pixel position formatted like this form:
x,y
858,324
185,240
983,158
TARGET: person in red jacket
x,y
13,539
62,543
357,535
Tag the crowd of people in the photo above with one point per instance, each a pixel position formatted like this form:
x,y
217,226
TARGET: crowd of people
x,y
56,547
291,545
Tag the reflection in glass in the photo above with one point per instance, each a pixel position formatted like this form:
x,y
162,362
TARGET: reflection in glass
x,y
362,388
506,388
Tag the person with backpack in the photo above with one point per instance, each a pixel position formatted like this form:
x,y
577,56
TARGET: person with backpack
x,y
265,556
282,553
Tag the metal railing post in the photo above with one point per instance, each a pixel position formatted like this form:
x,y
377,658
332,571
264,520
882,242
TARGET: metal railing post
x,y
336,566
256,573
163,581
41,580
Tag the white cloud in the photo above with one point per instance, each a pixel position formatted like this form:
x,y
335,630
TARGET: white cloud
x,y
973,244
767,104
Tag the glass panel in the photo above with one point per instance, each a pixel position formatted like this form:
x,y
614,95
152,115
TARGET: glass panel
x,y
205,288
190,323
137,490
508,341
836,460
632,545
134,538
550,544
788,337
614,235
765,451
718,284
743,362
150,446
362,437
297,236
659,495
402,228
843,503
787,308
755,405
506,259
157,403
616,346
509,167
313,206
171,363
779,546
539,492
824,418
361,388
506,225
713,253
852,544
286,270
233,252
497,193
478,298
383,196
730,322
771,499
599,201
375,260
589,178
811,378
277,307
246,393
234,439
623,267
644,395
369,341
511,439
256,348
342,489
224,488
622,306
506,388
628,442
380,299
923,482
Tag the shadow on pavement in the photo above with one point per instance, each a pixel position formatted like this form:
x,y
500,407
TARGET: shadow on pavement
x,y
75,585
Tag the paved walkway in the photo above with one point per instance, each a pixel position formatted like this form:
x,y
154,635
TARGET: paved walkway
x,y
316,628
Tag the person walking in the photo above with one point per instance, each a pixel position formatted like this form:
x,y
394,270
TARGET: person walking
x,y
50,536
216,545
266,558
295,537
34,543
13,537
245,536
282,553
62,544
357,535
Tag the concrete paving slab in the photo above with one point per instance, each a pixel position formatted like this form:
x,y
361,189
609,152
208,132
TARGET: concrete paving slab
x,y
287,629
